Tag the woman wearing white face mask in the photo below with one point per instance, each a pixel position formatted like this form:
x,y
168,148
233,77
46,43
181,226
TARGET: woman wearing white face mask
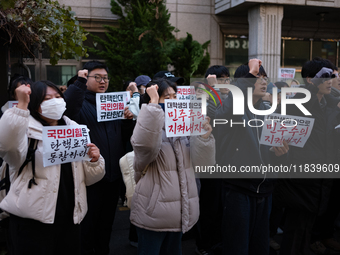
x,y
45,216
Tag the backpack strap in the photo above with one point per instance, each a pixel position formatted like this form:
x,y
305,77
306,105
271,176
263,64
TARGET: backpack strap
x,y
32,181
5,183
7,180
33,144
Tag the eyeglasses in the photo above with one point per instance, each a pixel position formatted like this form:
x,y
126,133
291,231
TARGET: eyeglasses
x,y
224,80
263,79
99,78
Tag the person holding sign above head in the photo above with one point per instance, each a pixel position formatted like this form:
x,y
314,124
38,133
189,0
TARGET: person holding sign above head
x,y
46,204
165,203
111,138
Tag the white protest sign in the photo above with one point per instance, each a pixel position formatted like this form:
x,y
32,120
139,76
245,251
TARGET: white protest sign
x,y
186,93
286,73
63,144
293,94
11,104
183,118
110,106
295,130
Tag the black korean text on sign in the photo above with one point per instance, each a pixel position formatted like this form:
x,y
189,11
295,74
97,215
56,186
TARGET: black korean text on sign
x,y
65,141
111,106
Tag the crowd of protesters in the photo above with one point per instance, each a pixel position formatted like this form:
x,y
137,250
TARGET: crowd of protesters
x,y
70,208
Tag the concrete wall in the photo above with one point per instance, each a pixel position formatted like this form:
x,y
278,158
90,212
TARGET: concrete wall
x,y
265,36
222,5
93,14
90,9
197,17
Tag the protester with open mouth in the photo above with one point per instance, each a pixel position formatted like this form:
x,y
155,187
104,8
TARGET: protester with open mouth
x,y
247,201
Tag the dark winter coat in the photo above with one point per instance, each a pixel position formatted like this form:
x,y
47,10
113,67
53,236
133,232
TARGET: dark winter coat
x,y
321,148
239,146
109,136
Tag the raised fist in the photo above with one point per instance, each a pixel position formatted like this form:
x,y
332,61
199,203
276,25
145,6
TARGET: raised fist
x,y
153,94
133,87
23,93
212,80
254,66
83,73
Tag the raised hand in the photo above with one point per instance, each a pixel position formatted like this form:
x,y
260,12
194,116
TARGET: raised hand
x,y
133,87
254,66
212,80
83,73
153,94
23,93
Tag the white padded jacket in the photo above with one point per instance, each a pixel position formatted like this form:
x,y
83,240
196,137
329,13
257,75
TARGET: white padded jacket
x,y
39,202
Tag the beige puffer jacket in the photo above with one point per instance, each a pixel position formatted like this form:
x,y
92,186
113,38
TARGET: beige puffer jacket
x,y
166,199
39,202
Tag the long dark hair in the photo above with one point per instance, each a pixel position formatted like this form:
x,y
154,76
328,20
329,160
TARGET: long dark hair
x,y
163,85
19,80
38,93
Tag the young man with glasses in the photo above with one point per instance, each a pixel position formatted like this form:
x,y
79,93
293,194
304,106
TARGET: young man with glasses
x,y
111,138
220,75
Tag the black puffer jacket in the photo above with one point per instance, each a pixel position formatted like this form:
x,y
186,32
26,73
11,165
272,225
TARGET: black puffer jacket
x,y
321,148
239,146
109,136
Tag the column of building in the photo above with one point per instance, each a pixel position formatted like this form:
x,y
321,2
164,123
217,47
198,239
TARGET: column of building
x,y
265,36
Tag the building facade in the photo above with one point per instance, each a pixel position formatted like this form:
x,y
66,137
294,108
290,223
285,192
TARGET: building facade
x,y
282,33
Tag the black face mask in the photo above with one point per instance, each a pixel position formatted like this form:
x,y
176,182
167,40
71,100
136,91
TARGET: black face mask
x,y
162,105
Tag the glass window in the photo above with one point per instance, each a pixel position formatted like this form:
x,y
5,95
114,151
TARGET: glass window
x,y
325,50
60,75
236,51
296,52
